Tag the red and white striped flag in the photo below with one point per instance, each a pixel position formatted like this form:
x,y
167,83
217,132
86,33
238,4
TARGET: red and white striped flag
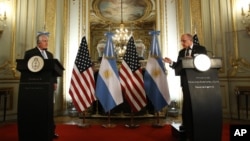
x,y
82,85
132,79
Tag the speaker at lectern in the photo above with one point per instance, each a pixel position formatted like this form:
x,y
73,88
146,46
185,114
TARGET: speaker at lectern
x,y
35,98
201,90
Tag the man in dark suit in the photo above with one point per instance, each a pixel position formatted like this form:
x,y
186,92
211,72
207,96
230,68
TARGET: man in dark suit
x,y
41,50
189,50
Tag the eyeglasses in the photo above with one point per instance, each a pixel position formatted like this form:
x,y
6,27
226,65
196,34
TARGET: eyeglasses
x,y
185,40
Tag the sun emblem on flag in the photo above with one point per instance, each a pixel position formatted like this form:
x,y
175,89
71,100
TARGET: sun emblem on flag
x,y
156,72
107,73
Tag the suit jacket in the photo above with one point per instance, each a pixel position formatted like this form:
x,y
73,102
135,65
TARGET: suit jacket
x,y
195,50
36,52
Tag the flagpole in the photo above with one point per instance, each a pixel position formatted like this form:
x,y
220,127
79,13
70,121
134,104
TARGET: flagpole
x,y
84,124
97,109
109,124
157,124
132,125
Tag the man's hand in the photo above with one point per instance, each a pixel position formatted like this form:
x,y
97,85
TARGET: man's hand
x,y
167,60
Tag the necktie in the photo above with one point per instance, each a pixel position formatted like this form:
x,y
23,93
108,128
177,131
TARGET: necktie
x,y
44,54
188,51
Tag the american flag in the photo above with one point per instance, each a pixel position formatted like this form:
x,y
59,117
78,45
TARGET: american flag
x,y
82,85
132,79
195,39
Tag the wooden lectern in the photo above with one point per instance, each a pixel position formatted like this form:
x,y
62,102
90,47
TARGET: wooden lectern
x,y
202,106
35,98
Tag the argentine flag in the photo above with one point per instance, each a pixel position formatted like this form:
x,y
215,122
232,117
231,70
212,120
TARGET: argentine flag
x,y
108,88
155,79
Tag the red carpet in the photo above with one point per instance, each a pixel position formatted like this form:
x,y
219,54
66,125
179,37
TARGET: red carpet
x,y
98,133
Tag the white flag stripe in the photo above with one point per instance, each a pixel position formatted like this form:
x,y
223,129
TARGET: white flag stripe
x,y
90,90
79,98
90,71
135,103
135,80
88,93
130,84
81,93
161,83
111,80
79,104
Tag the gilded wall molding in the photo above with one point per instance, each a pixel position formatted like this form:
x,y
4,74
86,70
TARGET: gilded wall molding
x,y
65,46
180,17
195,15
196,18
13,48
238,64
50,22
233,59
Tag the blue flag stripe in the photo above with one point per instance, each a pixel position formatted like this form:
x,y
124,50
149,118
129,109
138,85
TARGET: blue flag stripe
x,y
153,92
104,95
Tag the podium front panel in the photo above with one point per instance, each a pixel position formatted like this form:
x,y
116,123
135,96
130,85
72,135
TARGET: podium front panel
x,y
35,111
205,103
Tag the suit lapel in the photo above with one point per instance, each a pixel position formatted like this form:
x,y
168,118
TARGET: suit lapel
x,y
194,50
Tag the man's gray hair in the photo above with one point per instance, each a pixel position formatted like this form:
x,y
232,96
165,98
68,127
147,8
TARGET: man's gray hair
x,y
38,37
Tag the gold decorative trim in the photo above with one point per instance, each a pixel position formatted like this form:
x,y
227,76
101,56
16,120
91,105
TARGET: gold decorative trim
x,y
196,18
50,22
237,63
4,65
65,46
235,36
222,70
13,51
213,25
180,17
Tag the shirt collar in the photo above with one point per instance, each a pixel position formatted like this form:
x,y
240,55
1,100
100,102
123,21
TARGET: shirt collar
x,y
41,49
191,47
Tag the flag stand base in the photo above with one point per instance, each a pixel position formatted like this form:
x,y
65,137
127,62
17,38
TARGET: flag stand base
x,y
84,124
132,125
109,125
158,124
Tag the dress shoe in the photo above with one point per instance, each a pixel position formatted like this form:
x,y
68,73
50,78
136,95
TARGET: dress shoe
x,y
55,136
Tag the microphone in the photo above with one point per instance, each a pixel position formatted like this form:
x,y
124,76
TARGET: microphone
x,y
211,52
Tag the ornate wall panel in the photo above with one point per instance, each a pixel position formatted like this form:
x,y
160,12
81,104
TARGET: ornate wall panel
x,y
50,22
196,19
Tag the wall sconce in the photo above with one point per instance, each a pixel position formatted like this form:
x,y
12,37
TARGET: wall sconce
x,y
246,19
3,18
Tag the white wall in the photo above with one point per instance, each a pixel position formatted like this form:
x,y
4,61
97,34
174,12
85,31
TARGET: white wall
x,y
171,48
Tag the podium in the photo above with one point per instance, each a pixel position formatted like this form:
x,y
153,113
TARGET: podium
x,y
35,99
202,106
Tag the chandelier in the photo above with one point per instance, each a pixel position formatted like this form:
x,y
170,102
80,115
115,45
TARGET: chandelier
x,y
121,37
3,17
246,19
